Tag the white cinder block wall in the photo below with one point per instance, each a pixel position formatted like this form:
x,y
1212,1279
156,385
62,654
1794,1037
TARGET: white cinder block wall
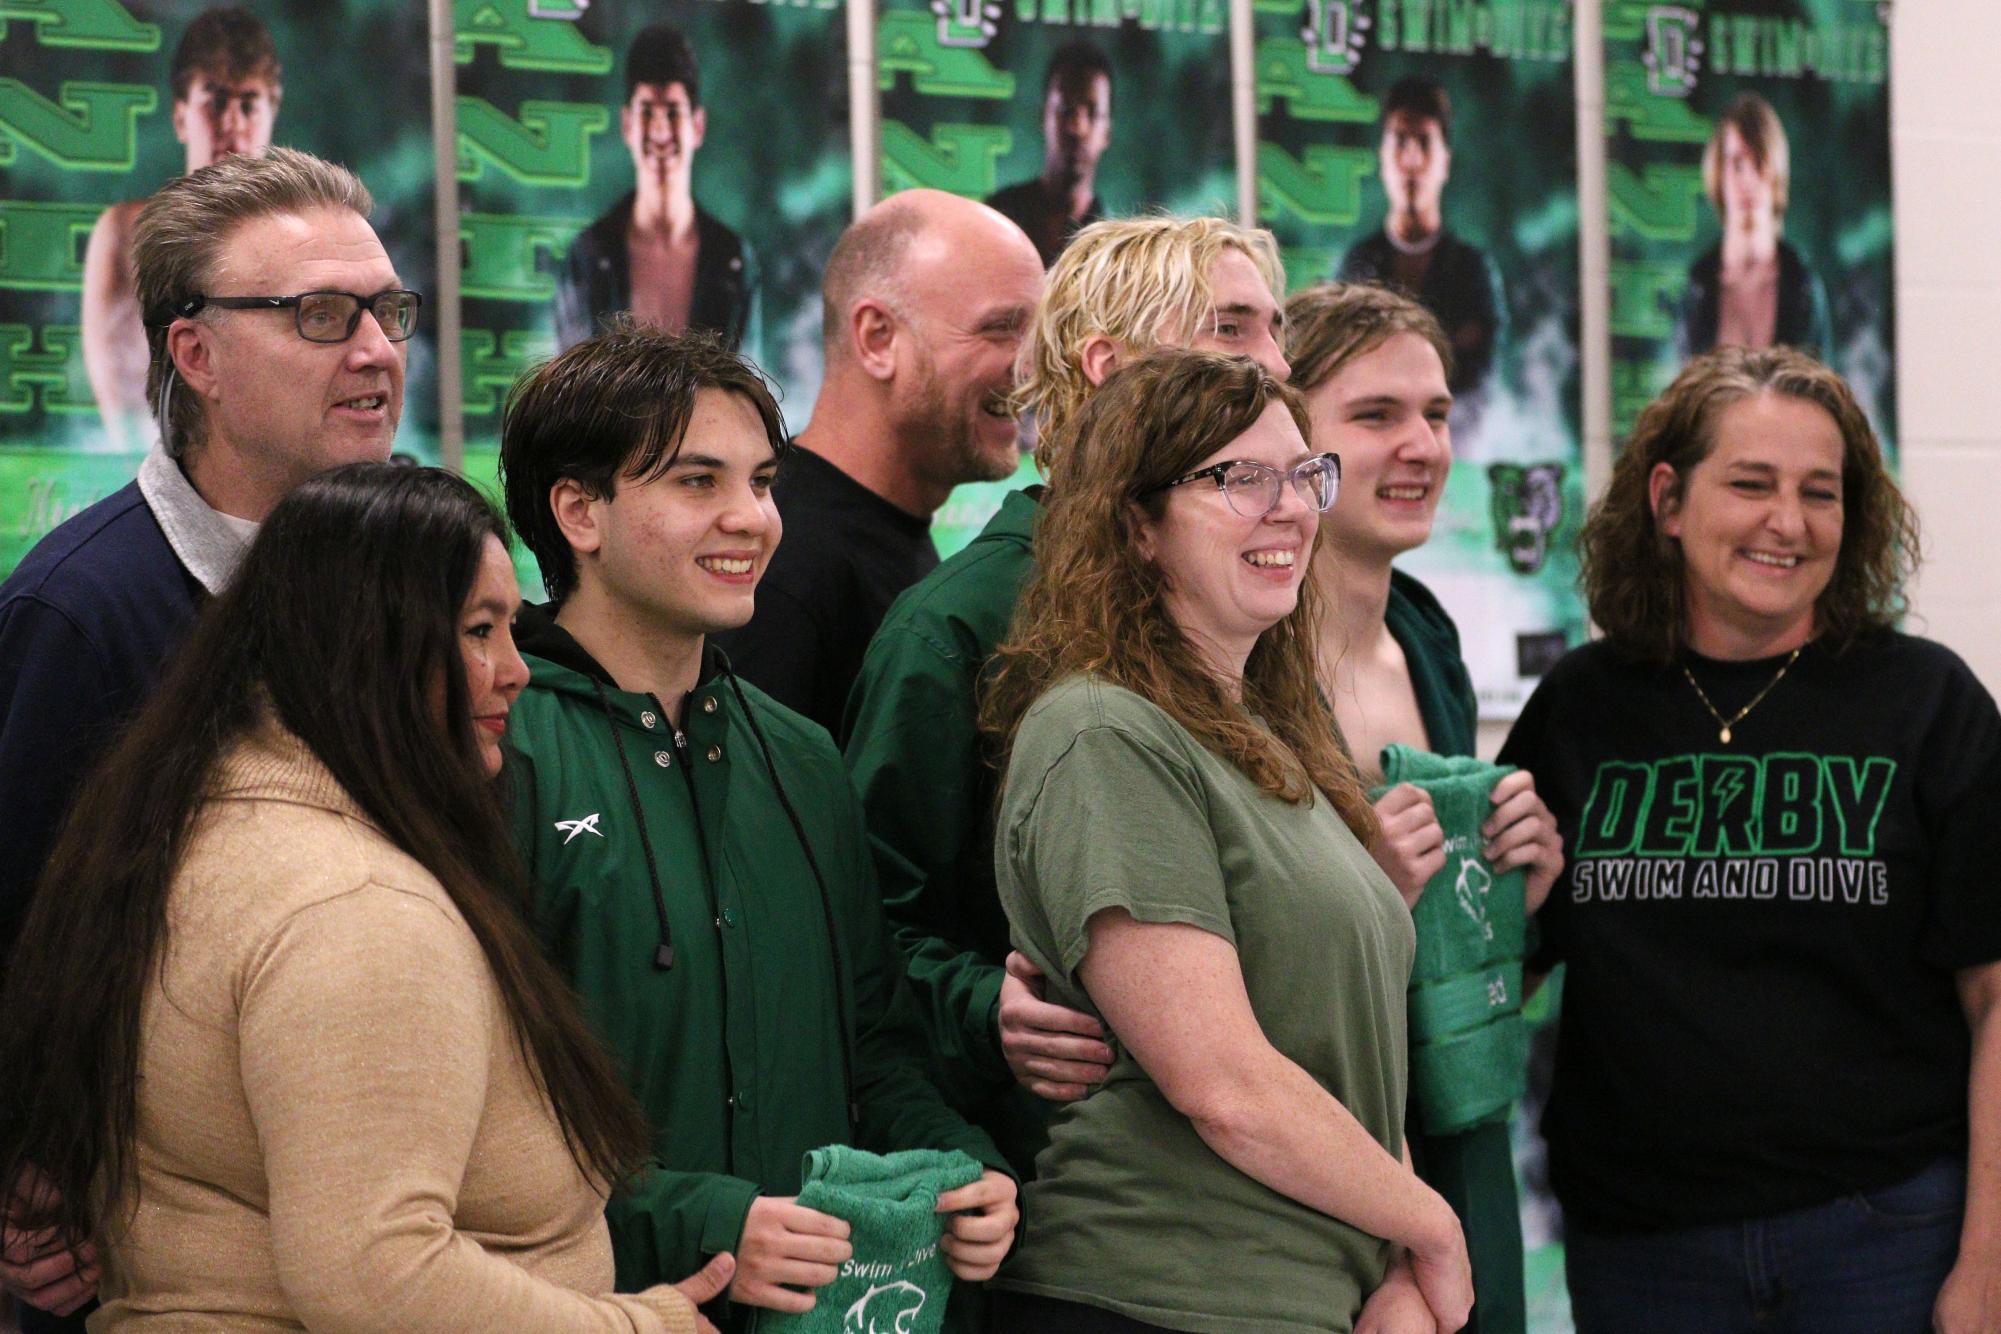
x,y
1946,129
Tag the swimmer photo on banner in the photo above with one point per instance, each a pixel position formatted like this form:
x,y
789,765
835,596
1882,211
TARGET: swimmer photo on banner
x,y
104,101
1058,113
1748,178
1433,149
684,163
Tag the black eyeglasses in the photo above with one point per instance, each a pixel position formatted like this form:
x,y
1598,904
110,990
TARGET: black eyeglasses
x,y
1253,489
326,317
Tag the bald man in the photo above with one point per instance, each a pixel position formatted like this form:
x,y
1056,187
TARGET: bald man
x,y
926,298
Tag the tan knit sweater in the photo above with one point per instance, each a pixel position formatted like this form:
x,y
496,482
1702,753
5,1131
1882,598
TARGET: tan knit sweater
x,y
336,1129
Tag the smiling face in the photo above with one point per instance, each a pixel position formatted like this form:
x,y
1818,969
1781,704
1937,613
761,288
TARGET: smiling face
x,y
285,407
971,287
1759,522
220,115
1229,579
495,673
662,129
1387,414
682,554
1247,320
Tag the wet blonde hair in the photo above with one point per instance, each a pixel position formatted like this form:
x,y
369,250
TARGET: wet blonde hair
x,y
1142,282
1331,324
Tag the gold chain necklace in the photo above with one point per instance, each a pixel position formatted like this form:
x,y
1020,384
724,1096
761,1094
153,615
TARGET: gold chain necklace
x,y
1725,724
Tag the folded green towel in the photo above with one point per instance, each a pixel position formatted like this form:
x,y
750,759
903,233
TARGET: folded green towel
x,y
1468,1044
897,1281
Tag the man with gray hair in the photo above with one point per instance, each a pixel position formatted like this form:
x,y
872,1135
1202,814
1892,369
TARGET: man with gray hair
x,y
276,327
926,298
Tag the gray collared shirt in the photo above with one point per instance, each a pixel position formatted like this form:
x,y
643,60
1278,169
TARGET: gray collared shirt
x,y
209,543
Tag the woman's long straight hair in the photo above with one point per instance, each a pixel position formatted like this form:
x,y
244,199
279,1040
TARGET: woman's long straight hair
x,y
343,624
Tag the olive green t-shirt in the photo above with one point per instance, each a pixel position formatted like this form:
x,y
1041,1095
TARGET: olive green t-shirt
x,y
1109,803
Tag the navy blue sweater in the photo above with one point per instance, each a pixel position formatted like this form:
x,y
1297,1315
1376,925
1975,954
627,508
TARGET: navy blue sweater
x,y
86,621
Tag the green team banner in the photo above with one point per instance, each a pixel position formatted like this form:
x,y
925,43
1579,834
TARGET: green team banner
x,y
1432,147
685,161
103,101
1058,113
1748,147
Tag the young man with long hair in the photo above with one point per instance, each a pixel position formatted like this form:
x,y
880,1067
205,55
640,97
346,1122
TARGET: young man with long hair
x,y
1375,368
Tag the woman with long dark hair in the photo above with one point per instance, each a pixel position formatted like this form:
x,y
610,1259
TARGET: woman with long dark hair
x,y
1181,850
274,1038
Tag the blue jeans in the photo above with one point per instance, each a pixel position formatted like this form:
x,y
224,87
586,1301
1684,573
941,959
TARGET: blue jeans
x,y
1867,1263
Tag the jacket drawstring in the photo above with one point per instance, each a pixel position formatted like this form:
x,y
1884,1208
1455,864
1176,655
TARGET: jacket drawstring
x,y
663,954
826,903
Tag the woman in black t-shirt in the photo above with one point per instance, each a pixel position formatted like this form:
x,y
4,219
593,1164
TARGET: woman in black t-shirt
x,y
1777,917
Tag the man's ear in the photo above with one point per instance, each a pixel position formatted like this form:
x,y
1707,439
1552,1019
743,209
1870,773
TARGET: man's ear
x,y
579,516
1664,498
180,120
698,127
191,347
1099,357
872,338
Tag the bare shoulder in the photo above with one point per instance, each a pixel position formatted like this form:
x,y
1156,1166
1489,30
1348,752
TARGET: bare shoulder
x,y
111,237
118,220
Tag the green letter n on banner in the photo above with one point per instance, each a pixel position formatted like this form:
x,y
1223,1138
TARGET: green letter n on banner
x,y
92,126
1324,185
958,158
550,144
94,25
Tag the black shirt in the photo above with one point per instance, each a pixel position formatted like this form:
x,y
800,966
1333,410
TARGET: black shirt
x,y
1761,937
595,282
845,555
1460,286
1044,215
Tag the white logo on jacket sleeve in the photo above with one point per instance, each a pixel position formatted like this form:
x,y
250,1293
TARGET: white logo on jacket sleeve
x,y
569,829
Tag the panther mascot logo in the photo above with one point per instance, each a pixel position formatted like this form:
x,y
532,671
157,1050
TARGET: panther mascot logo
x,y
1527,503
887,1308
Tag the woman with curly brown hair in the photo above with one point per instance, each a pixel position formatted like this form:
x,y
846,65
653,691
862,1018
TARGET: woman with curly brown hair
x,y
1181,848
1779,1024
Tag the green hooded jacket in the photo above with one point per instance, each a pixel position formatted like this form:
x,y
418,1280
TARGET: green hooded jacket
x,y
914,750
736,1051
